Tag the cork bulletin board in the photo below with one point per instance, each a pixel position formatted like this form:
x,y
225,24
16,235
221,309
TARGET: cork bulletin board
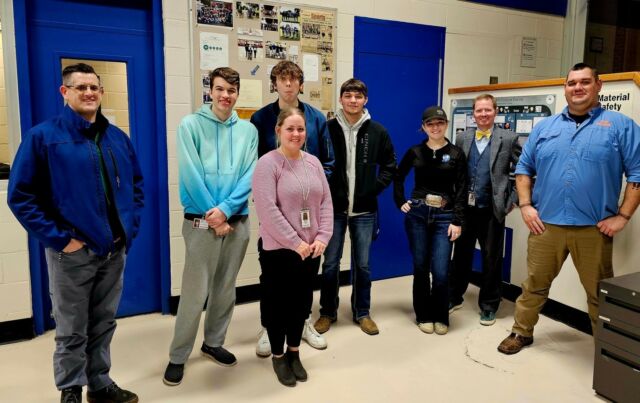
x,y
252,37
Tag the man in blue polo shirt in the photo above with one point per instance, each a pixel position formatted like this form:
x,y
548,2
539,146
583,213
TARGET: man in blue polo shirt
x,y
578,158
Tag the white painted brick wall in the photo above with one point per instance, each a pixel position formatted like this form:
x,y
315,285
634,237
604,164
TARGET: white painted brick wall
x,y
15,286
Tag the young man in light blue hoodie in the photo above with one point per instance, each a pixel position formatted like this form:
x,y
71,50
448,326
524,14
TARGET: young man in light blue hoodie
x,y
217,153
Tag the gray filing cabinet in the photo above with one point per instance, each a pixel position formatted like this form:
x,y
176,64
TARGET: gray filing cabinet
x,y
616,372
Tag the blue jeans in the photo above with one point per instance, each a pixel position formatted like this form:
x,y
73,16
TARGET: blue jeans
x,y
431,250
361,229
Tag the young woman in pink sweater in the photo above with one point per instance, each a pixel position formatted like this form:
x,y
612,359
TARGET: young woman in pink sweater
x,y
293,204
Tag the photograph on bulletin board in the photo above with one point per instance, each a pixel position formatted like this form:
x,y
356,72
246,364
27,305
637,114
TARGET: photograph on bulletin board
x,y
253,36
211,12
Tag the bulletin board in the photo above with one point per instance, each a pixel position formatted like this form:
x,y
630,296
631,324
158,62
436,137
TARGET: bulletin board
x,y
519,113
252,37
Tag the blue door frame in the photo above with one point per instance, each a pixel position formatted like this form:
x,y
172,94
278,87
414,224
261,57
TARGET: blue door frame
x,y
119,19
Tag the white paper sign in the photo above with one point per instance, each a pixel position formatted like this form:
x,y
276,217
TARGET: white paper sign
x,y
214,50
619,101
310,65
528,52
251,94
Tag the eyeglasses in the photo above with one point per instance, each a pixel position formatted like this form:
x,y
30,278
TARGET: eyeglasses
x,y
84,87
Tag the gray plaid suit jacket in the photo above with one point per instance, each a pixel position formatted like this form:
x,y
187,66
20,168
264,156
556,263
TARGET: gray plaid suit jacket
x,y
505,152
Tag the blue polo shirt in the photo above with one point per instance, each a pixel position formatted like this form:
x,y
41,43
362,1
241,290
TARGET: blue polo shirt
x,y
579,168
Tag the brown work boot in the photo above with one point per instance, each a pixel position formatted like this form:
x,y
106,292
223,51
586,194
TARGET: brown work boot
x,y
514,343
368,326
323,324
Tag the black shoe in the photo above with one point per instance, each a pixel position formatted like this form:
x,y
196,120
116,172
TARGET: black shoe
x,y
293,357
283,371
219,355
112,394
173,374
71,395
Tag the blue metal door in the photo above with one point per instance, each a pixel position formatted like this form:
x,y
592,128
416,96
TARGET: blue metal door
x,y
401,64
113,30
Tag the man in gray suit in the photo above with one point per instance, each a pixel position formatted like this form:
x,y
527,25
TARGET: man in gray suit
x,y
491,154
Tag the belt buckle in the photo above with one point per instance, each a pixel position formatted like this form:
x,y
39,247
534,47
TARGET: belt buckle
x,y
433,201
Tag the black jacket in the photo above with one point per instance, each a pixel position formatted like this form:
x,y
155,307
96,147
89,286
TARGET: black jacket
x,y
375,166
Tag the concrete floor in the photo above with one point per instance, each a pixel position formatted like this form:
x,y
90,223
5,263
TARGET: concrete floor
x,y
401,364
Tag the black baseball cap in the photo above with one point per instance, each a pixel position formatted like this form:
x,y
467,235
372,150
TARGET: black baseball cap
x,y
434,112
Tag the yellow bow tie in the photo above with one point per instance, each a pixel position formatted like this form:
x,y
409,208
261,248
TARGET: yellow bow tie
x,y
482,133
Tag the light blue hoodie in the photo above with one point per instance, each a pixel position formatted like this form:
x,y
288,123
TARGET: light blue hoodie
x,y
216,160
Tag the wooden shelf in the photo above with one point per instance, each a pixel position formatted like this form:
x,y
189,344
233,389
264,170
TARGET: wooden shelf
x,y
552,82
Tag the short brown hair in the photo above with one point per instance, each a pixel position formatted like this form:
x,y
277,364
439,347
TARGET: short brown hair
x,y
77,68
286,69
353,85
485,96
226,73
582,66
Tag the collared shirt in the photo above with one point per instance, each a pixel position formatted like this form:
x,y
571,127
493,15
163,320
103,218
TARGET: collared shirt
x,y
579,167
482,143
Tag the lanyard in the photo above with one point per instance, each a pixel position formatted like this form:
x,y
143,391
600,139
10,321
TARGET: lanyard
x,y
305,194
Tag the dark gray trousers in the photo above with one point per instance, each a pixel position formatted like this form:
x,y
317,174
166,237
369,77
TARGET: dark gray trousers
x,y
85,291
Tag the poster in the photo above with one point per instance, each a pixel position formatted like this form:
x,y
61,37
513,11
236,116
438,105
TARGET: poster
x,y
528,52
289,27
293,53
327,93
519,114
214,50
247,10
251,94
212,12
310,67
269,24
317,31
250,49
619,101
276,50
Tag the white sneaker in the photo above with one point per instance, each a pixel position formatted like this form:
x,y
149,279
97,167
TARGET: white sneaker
x,y
441,328
312,337
426,327
263,349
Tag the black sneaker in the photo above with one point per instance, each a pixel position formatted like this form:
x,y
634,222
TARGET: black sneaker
x,y
112,394
173,374
71,395
219,355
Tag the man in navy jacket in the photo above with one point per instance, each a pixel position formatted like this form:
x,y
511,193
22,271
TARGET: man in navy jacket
x,y
76,186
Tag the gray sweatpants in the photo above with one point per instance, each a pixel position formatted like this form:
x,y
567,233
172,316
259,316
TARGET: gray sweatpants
x,y
85,291
210,271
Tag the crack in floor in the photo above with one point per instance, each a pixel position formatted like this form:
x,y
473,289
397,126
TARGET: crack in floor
x,y
467,342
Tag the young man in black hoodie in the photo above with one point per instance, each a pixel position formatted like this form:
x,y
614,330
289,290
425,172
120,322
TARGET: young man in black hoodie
x,y
364,165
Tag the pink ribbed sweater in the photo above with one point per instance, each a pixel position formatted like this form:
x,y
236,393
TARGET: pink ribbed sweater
x,y
278,200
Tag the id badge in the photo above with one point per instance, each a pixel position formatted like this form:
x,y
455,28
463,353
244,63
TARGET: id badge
x,y
471,201
305,218
199,223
